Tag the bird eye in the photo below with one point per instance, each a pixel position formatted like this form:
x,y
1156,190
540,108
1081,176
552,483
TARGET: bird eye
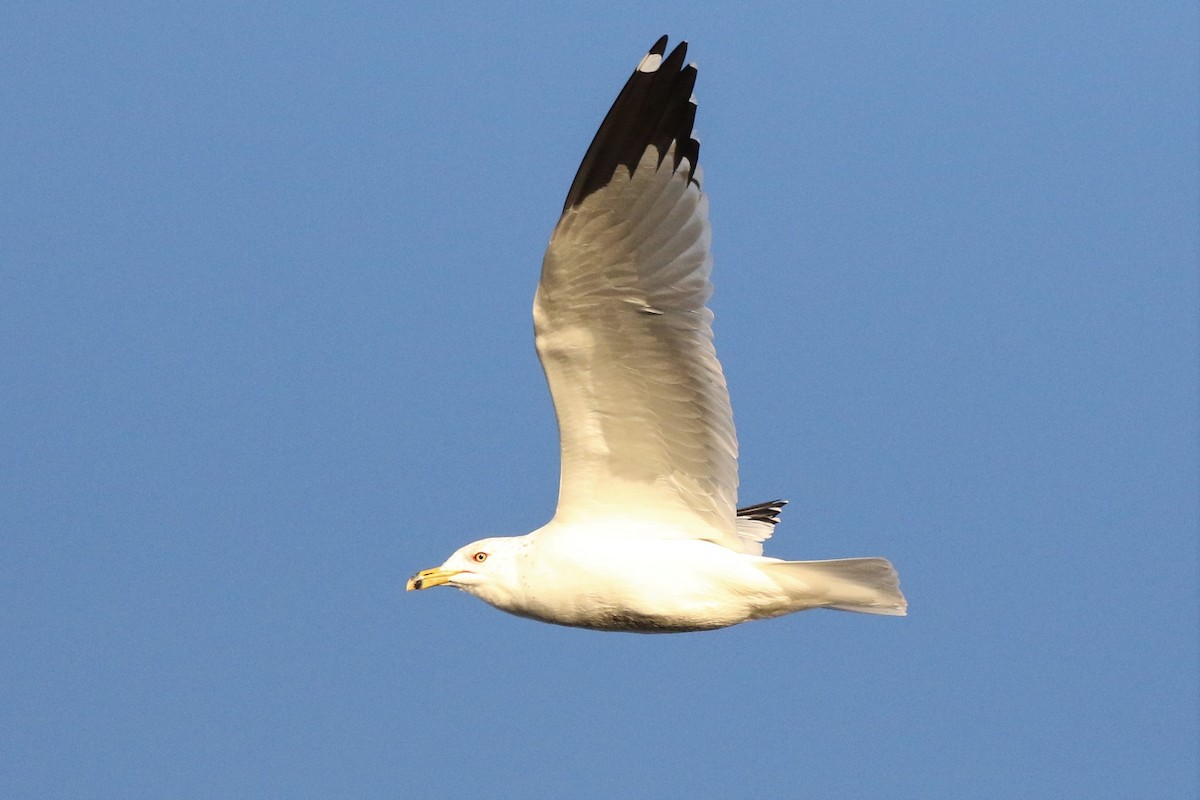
x,y
480,557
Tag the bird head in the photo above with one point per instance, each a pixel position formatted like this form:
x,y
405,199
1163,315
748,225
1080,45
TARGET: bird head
x,y
486,568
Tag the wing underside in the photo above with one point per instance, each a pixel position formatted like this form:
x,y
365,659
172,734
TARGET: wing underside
x,y
621,324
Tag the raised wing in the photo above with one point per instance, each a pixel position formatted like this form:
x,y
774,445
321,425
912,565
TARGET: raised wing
x,y
621,324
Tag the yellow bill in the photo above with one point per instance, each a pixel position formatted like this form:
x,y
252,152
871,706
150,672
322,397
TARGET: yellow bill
x,y
430,577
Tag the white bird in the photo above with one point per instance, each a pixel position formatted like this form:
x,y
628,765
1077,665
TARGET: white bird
x,y
647,536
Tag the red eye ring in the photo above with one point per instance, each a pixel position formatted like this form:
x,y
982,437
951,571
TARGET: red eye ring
x,y
479,557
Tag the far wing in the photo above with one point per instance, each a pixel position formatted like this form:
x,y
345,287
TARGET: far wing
x,y
622,328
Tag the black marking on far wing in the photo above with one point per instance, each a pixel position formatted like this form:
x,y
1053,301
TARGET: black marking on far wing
x,y
764,512
654,108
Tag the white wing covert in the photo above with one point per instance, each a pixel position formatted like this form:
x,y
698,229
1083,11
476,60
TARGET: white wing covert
x,y
621,325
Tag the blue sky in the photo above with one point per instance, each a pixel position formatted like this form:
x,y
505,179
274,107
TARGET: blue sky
x,y
265,284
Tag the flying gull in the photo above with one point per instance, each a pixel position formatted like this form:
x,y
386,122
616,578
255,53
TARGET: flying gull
x,y
647,536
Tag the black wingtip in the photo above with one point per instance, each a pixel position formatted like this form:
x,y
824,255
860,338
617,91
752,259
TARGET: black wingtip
x,y
654,107
764,512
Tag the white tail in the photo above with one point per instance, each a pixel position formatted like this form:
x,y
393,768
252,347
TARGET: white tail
x,y
865,585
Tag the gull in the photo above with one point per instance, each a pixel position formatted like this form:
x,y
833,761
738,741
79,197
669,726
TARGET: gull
x,y
647,536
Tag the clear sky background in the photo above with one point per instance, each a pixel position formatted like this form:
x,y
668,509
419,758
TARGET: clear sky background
x,y
265,347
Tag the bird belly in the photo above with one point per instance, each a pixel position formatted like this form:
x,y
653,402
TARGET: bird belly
x,y
655,587
620,614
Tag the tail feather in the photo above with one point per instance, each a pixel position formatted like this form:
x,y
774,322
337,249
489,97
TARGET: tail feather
x,y
865,585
